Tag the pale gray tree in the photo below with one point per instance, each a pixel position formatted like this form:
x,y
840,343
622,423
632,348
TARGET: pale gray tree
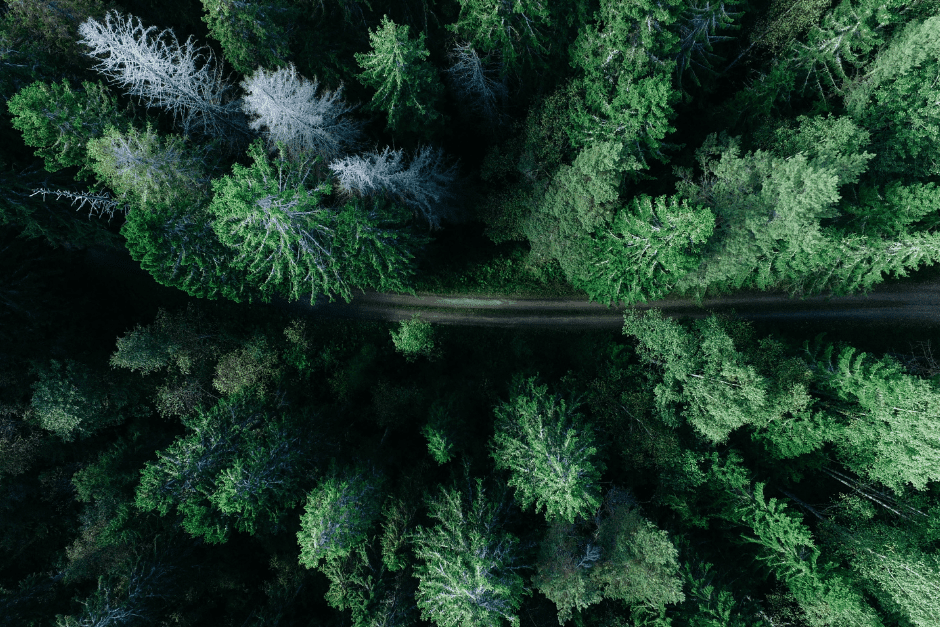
x,y
288,107
425,185
182,78
473,81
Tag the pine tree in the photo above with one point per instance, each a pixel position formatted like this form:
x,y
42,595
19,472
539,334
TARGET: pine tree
x,y
147,170
408,87
645,251
276,223
59,121
698,27
882,418
625,91
155,67
238,467
251,34
426,185
338,515
513,30
466,562
896,101
288,107
550,454
705,379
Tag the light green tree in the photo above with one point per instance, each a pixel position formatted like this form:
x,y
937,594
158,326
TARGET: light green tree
x,y
338,515
466,563
408,87
414,338
549,452
648,247
514,30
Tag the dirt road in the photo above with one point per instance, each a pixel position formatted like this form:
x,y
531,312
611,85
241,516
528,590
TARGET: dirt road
x,y
907,302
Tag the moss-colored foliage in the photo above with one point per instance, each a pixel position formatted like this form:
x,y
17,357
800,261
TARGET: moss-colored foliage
x,y
515,31
59,121
550,453
407,85
251,34
74,401
251,366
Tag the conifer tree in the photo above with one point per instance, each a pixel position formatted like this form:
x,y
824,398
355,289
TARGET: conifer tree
x,y
59,121
472,79
272,216
251,34
649,246
338,515
467,563
550,454
288,107
181,78
407,86
516,31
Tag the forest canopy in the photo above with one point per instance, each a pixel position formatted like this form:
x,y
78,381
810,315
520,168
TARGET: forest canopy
x,y
182,442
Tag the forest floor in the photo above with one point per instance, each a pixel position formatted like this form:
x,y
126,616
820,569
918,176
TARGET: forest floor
x,y
910,302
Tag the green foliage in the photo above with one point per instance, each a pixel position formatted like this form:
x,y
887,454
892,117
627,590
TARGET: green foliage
x,y
408,87
150,170
277,226
338,515
895,209
625,79
623,557
251,34
515,31
172,339
238,468
59,121
466,563
73,401
896,100
550,454
881,417
248,367
649,246
414,338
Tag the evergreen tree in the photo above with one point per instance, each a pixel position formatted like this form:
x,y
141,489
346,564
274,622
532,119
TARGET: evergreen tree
x,y
276,223
515,31
649,246
59,121
896,101
881,418
549,452
407,87
338,515
625,65
73,401
237,468
251,34
466,562
621,556
288,107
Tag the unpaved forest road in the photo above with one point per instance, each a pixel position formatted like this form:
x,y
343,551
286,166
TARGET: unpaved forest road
x,y
909,302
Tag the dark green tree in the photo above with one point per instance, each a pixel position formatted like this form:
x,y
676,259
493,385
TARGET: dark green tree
x,y
251,34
